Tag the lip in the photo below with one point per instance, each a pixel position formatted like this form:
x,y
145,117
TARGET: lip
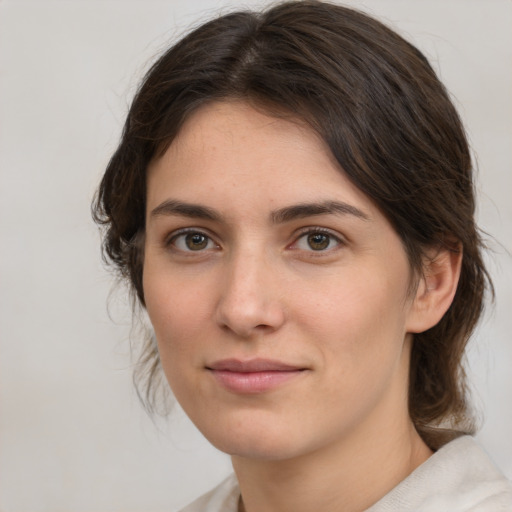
x,y
253,376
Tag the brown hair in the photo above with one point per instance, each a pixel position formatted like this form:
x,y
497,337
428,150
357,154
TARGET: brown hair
x,y
388,121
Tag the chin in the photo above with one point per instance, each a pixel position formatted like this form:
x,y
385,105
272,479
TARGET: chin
x,y
257,450
257,442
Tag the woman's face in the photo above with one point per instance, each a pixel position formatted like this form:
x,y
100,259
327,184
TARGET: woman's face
x,y
277,290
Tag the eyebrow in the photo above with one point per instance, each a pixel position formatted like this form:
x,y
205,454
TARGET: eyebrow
x,y
303,210
195,211
299,211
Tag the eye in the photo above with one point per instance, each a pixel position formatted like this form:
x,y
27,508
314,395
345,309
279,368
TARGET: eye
x,y
317,240
192,241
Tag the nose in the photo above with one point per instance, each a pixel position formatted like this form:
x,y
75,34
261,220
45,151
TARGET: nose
x,y
251,301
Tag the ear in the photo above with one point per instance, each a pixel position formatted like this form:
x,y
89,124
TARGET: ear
x,y
436,288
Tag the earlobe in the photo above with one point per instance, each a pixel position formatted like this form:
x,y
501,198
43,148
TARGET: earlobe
x,y
436,288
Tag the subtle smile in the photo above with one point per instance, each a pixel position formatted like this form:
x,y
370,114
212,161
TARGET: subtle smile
x,y
253,376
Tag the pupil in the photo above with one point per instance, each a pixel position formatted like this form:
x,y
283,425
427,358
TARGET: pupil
x,y
196,241
318,241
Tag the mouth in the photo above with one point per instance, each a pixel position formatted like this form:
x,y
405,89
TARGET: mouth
x,y
253,376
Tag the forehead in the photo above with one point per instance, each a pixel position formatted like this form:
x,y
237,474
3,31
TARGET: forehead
x,y
231,151
231,130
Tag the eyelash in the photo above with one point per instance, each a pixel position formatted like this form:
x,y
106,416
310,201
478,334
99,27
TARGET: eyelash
x,y
171,241
304,233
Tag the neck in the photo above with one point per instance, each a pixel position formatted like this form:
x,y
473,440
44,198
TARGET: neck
x,y
350,475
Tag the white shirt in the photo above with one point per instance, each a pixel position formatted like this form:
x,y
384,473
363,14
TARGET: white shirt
x,y
459,477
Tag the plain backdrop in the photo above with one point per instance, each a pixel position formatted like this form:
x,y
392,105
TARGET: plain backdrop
x,y
73,436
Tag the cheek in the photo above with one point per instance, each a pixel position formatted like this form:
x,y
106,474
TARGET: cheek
x,y
175,308
359,331
359,323
173,312
352,303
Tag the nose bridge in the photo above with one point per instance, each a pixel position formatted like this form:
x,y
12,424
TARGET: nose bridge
x,y
249,298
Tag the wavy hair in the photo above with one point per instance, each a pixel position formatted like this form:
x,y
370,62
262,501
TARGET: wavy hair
x,y
388,121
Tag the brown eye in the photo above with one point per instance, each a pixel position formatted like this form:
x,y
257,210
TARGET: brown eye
x,y
192,241
196,241
318,241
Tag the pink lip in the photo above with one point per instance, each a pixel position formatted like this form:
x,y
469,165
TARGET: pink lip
x,y
253,376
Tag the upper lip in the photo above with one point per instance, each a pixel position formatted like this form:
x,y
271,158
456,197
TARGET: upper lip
x,y
252,365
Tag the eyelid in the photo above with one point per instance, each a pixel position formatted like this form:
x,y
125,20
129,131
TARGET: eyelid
x,y
317,229
300,233
169,239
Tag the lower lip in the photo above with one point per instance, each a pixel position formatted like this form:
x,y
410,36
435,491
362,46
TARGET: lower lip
x,y
254,382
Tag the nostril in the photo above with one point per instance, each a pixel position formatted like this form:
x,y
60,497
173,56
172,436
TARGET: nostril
x,y
263,327
247,323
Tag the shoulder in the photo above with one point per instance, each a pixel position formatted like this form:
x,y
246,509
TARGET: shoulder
x,y
223,498
459,477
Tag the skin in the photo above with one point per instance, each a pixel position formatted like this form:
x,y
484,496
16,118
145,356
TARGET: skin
x,y
337,435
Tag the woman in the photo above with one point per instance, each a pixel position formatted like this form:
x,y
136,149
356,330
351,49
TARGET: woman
x,y
292,203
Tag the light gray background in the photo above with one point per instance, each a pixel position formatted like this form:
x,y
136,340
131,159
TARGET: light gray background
x,y
73,437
